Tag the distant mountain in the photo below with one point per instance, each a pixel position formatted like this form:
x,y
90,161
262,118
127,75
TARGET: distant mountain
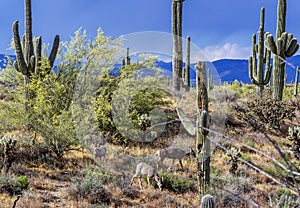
x,y
232,69
228,69
236,69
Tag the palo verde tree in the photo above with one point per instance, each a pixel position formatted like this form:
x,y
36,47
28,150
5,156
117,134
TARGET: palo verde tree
x,y
123,101
55,110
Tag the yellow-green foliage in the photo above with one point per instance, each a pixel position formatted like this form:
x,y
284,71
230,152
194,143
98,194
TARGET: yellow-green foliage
x,y
123,99
50,112
288,92
241,89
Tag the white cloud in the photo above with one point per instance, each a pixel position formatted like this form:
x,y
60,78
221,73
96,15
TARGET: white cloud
x,y
228,50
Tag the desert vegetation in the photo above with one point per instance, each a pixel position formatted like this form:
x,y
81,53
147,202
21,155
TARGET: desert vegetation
x,y
80,125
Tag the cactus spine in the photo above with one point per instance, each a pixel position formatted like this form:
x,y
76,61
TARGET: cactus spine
x,y
186,73
27,60
284,46
259,57
177,42
207,201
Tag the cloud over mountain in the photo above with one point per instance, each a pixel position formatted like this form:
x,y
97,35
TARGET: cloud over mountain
x,y
228,51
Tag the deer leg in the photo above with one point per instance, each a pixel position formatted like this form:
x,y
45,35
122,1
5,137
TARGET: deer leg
x,y
140,182
180,162
172,166
133,177
148,180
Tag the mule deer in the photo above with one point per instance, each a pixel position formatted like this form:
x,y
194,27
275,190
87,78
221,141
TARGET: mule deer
x,y
173,153
96,140
100,152
143,169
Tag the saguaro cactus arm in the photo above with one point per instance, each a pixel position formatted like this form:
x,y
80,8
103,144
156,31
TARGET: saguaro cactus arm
x,y
54,50
20,63
284,46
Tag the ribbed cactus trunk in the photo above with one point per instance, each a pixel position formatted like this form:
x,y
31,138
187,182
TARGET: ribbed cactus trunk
x,y
127,56
179,36
210,81
207,201
187,75
279,65
177,43
296,83
202,143
259,58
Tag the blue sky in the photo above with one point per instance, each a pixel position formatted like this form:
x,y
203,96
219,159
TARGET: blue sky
x,y
220,28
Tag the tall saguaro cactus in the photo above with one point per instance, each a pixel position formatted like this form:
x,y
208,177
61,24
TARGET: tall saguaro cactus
x,y
27,60
202,143
127,56
296,83
284,46
186,73
177,42
259,58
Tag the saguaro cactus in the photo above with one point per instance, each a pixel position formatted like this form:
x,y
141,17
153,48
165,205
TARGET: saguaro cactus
x,y
27,60
202,143
186,73
284,46
177,42
127,56
296,82
210,81
259,57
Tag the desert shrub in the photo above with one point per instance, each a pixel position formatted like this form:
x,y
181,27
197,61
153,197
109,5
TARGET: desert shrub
x,y
231,190
13,186
288,92
222,94
235,86
103,176
8,185
22,182
283,198
175,183
91,188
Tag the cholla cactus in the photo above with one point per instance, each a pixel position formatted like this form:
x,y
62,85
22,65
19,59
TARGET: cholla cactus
x,y
233,156
8,143
144,122
294,136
